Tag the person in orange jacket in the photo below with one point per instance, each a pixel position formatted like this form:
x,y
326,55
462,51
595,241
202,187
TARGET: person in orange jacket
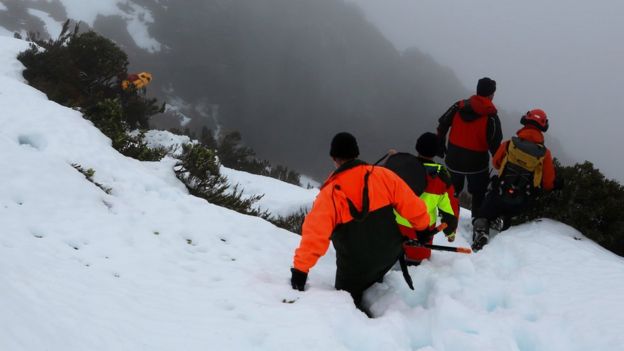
x,y
525,167
355,211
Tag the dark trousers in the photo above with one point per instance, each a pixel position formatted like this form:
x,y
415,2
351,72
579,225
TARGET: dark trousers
x,y
356,288
477,187
497,204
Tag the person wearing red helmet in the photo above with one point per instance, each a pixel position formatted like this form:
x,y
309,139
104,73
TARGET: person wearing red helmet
x,y
525,166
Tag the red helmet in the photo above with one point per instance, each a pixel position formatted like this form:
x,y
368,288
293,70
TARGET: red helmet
x,y
536,118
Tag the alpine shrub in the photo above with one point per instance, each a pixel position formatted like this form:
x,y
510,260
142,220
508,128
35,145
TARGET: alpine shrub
x,y
107,116
233,154
136,147
89,173
293,222
284,174
198,169
589,202
82,71
76,69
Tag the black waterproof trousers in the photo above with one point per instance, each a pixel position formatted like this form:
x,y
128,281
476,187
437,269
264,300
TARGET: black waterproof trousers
x,y
497,204
477,187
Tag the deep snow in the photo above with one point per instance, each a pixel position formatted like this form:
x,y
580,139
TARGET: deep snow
x,y
150,267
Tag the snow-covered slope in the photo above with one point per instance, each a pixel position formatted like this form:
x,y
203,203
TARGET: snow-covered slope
x,y
149,267
279,198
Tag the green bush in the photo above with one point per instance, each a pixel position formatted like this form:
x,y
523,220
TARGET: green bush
x,y
233,154
107,116
284,174
82,70
589,202
89,173
76,69
136,147
293,222
198,169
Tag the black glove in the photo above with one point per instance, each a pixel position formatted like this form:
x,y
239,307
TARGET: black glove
x,y
425,236
298,279
450,237
559,183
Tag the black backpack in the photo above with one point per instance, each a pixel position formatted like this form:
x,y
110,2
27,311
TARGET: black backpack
x,y
410,169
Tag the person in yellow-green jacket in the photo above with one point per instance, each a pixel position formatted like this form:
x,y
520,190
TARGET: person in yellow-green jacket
x,y
438,195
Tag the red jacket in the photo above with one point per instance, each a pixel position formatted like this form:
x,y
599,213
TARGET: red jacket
x,y
474,130
468,130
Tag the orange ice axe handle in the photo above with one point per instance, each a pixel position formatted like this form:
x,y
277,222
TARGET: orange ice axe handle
x,y
464,250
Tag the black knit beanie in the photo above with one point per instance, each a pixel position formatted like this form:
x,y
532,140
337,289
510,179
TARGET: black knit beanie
x,y
428,145
344,146
486,87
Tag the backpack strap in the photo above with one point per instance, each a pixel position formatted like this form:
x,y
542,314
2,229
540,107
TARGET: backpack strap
x,y
359,216
406,275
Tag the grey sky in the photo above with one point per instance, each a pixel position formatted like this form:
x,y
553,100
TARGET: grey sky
x,y
566,57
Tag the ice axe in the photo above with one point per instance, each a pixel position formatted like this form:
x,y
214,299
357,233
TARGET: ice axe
x,y
464,250
439,228
403,261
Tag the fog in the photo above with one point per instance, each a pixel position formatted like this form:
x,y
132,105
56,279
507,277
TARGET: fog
x,y
293,73
286,74
566,57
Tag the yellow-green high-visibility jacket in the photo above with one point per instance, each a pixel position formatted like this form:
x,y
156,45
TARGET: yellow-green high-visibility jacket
x,y
439,196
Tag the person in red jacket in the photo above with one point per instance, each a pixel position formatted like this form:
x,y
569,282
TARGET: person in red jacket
x,y
475,130
355,211
525,167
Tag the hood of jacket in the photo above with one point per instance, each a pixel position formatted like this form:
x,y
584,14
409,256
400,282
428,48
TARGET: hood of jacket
x,y
476,107
531,133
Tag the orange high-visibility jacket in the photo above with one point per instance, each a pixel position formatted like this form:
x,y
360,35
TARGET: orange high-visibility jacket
x,y
370,243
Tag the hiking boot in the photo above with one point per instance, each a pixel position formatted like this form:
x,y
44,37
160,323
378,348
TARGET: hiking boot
x,y
480,233
506,223
480,240
501,223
